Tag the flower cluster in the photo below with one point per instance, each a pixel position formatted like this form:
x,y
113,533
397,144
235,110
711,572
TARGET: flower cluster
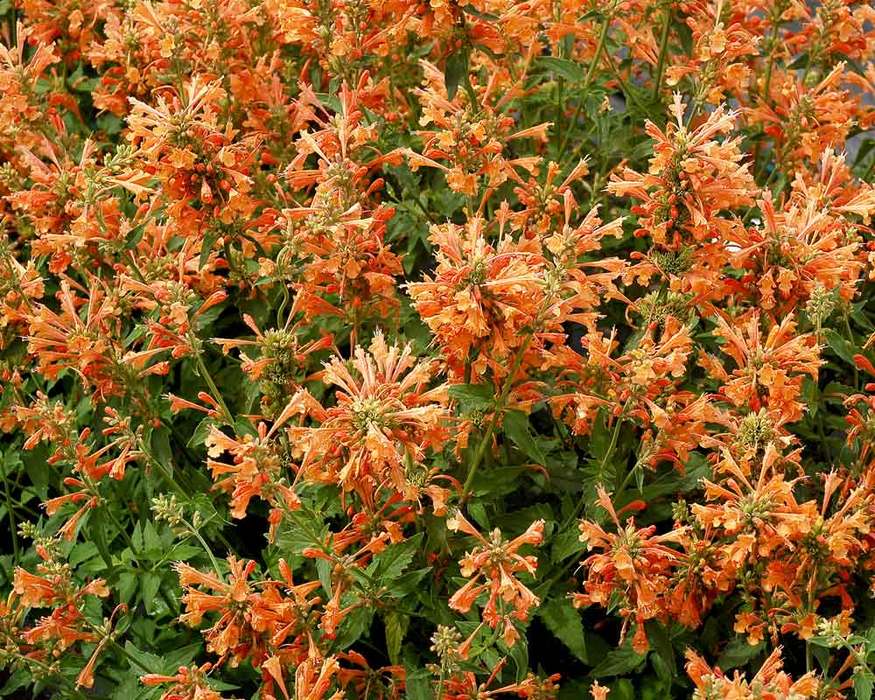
x,y
433,350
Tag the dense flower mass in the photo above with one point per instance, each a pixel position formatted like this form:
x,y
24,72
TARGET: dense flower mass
x,y
437,351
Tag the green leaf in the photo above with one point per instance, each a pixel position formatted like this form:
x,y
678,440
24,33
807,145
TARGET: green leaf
x,y
152,545
516,427
418,684
864,682
408,583
396,625
840,346
135,235
392,561
151,582
663,661
199,436
145,662
127,585
20,679
567,543
477,511
737,653
159,441
354,626
619,661
571,71
82,552
456,71
519,654
473,397
560,617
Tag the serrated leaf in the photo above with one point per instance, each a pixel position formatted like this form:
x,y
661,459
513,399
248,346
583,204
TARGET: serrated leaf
x,y
516,427
354,626
619,661
570,70
418,684
396,625
149,585
144,661
840,346
408,583
392,561
199,435
560,617
82,552
127,585
567,543
473,397
456,71
737,653
864,682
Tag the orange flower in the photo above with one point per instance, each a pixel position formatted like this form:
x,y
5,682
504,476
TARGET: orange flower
x,y
471,138
384,422
255,618
796,253
769,683
692,179
493,566
768,371
634,566
481,297
282,358
188,683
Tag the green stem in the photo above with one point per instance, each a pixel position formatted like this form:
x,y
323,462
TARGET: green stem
x,y
627,93
124,533
771,64
197,535
490,429
165,473
600,47
49,673
214,390
846,319
13,525
663,51
615,435
626,481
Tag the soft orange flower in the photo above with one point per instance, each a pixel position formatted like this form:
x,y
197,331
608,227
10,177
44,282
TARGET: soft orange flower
x,y
692,179
634,565
492,566
384,422
769,683
188,683
481,297
768,370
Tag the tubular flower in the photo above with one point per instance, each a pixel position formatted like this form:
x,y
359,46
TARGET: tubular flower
x,y
643,380
256,471
335,248
189,683
384,422
769,683
768,371
632,570
470,138
481,297
797,252
256,619
492,567
692,178
281,360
